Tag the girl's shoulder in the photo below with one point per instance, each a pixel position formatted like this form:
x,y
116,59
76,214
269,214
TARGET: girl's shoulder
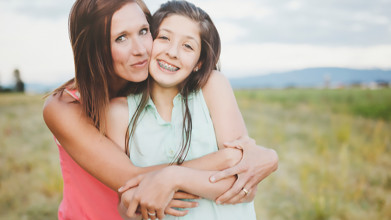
x,y
118,107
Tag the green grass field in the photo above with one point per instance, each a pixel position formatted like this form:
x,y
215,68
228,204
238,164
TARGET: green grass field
x,y
334,148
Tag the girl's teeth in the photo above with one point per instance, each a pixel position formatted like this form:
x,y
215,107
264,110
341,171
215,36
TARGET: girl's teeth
x,y
167,66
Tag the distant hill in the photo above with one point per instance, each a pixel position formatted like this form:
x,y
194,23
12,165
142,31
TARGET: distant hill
x,y
312,77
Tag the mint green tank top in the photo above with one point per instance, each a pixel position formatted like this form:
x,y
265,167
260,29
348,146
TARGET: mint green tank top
x,y
156,142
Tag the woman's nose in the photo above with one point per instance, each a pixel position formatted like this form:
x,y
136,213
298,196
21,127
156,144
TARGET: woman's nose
x,y
138,47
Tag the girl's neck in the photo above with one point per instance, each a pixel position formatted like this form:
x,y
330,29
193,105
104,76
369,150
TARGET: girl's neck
x,y
163,99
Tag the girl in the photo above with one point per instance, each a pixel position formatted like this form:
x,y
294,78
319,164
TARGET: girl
x,y
173,114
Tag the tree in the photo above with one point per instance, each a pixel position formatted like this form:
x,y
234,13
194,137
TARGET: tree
x,y
19,85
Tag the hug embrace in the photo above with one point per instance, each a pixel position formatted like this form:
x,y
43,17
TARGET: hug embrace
x,y
149,128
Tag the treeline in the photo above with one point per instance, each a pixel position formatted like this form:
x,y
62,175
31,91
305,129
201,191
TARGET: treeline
x,y
18,85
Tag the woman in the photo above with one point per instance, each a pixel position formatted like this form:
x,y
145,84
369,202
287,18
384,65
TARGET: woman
x,y
79,125
172,115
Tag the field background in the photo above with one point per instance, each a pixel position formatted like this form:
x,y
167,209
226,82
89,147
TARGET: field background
x,y
334,148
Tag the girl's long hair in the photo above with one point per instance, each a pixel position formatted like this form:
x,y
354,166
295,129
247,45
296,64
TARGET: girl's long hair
x,y
89,31
209,58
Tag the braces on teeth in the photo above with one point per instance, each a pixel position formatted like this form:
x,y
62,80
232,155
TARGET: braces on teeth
x,y
167,66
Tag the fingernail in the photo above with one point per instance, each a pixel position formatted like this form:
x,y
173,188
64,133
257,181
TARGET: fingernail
x,y
218,202
212,179
120,189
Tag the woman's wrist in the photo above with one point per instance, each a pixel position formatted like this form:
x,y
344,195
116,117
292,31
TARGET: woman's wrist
x,y
232,157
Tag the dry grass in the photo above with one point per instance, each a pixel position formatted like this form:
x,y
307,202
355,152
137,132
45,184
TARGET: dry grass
x,y
30,176
334,163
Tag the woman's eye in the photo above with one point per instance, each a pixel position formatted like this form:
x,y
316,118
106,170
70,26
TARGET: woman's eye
x,y
144,31
121,38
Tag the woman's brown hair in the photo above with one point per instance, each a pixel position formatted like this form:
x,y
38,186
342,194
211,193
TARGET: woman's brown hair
x,y
89,31
209,57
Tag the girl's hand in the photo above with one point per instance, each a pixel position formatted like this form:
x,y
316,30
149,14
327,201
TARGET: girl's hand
x,y
125,199
257,163
176,202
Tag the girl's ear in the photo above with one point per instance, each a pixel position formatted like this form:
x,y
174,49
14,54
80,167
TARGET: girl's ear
x,y
197,67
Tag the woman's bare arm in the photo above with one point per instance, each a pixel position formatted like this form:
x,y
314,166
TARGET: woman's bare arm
x,y
94,152
223,108
257,162
110,164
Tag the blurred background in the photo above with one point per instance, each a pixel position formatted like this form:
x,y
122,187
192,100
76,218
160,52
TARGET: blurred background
x,y
312,79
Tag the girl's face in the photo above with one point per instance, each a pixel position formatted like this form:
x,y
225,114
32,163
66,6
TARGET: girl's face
x,y
131,43
176,51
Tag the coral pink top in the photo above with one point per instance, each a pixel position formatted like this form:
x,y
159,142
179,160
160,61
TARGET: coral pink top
x,y
84,197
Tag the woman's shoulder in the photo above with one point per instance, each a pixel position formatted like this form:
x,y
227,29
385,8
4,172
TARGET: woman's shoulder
x,y
59,103
61,111
217,83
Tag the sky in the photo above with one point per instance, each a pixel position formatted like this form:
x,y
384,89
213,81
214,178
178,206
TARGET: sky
x,y
258,36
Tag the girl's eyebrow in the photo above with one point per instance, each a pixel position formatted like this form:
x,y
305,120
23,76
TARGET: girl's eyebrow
x,y
186,36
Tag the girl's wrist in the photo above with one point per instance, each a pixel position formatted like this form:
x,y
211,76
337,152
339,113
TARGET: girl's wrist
x,y
173,174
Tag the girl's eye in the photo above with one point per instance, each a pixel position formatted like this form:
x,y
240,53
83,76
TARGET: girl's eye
x,y
163,37
121,38
144,31
188,46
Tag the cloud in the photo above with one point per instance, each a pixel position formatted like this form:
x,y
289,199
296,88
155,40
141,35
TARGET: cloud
x,y
248,59
40,48
44,9
332,22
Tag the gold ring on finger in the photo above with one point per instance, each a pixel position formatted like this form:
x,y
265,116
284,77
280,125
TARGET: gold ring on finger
x,y
245,191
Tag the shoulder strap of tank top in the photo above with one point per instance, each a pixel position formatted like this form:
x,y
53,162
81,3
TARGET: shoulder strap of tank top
x,y
74,93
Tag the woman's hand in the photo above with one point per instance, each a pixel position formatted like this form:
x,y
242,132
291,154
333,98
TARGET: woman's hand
x,y
154,193
257,163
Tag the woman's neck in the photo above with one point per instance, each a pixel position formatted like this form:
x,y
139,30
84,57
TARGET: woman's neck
x,y
115,85
163,99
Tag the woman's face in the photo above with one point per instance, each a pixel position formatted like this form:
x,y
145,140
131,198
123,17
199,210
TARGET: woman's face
x,y
176,51
131,43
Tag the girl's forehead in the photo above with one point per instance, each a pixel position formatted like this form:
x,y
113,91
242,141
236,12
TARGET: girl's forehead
x,y
180,25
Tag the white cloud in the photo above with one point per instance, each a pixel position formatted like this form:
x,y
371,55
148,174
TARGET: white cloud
x,y
40,48
230,32
240,60
232,9
294,5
